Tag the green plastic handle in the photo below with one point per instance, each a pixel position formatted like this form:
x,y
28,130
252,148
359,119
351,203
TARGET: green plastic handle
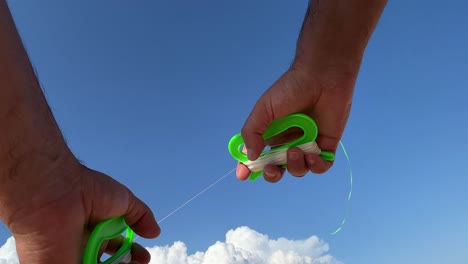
x,y
278,126
106,230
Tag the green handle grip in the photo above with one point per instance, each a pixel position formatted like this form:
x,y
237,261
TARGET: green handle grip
x,y
302,121
106,230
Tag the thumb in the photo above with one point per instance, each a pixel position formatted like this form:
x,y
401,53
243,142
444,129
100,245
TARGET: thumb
x,y
111,199
255,126
140,218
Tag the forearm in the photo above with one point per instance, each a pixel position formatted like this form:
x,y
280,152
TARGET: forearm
x,y
335,33
29,134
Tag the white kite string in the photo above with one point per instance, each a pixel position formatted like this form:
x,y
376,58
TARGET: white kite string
x,y
195,196
273,156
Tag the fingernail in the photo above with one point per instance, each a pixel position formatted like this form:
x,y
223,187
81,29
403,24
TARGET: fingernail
x,y
294,155
311,161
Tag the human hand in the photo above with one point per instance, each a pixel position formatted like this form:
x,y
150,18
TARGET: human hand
x,y
51,218
48,200
320,83
324,96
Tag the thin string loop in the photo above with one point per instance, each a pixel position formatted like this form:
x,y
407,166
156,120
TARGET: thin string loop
x,y
350,189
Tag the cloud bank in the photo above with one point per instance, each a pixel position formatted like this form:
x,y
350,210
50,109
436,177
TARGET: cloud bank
x,y
8,252
241,246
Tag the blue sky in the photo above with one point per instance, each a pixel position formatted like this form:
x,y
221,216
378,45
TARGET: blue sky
x,y
151,92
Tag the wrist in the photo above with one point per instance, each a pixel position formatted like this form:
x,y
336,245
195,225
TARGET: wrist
x,y
28,134
28,178
34,184
335,34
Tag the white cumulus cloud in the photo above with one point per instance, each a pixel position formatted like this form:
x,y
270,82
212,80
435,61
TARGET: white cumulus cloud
x,y
8,252
241,246
246,246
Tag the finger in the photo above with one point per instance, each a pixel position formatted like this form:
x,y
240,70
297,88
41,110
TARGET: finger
x,y
272,173
140,254
141,219
297,165
242,172
316,164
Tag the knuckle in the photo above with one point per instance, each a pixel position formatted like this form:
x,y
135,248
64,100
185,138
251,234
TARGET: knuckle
x,y
245,131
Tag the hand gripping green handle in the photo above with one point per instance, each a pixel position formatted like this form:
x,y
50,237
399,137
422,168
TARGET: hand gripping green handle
x,y
302,121
106,230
